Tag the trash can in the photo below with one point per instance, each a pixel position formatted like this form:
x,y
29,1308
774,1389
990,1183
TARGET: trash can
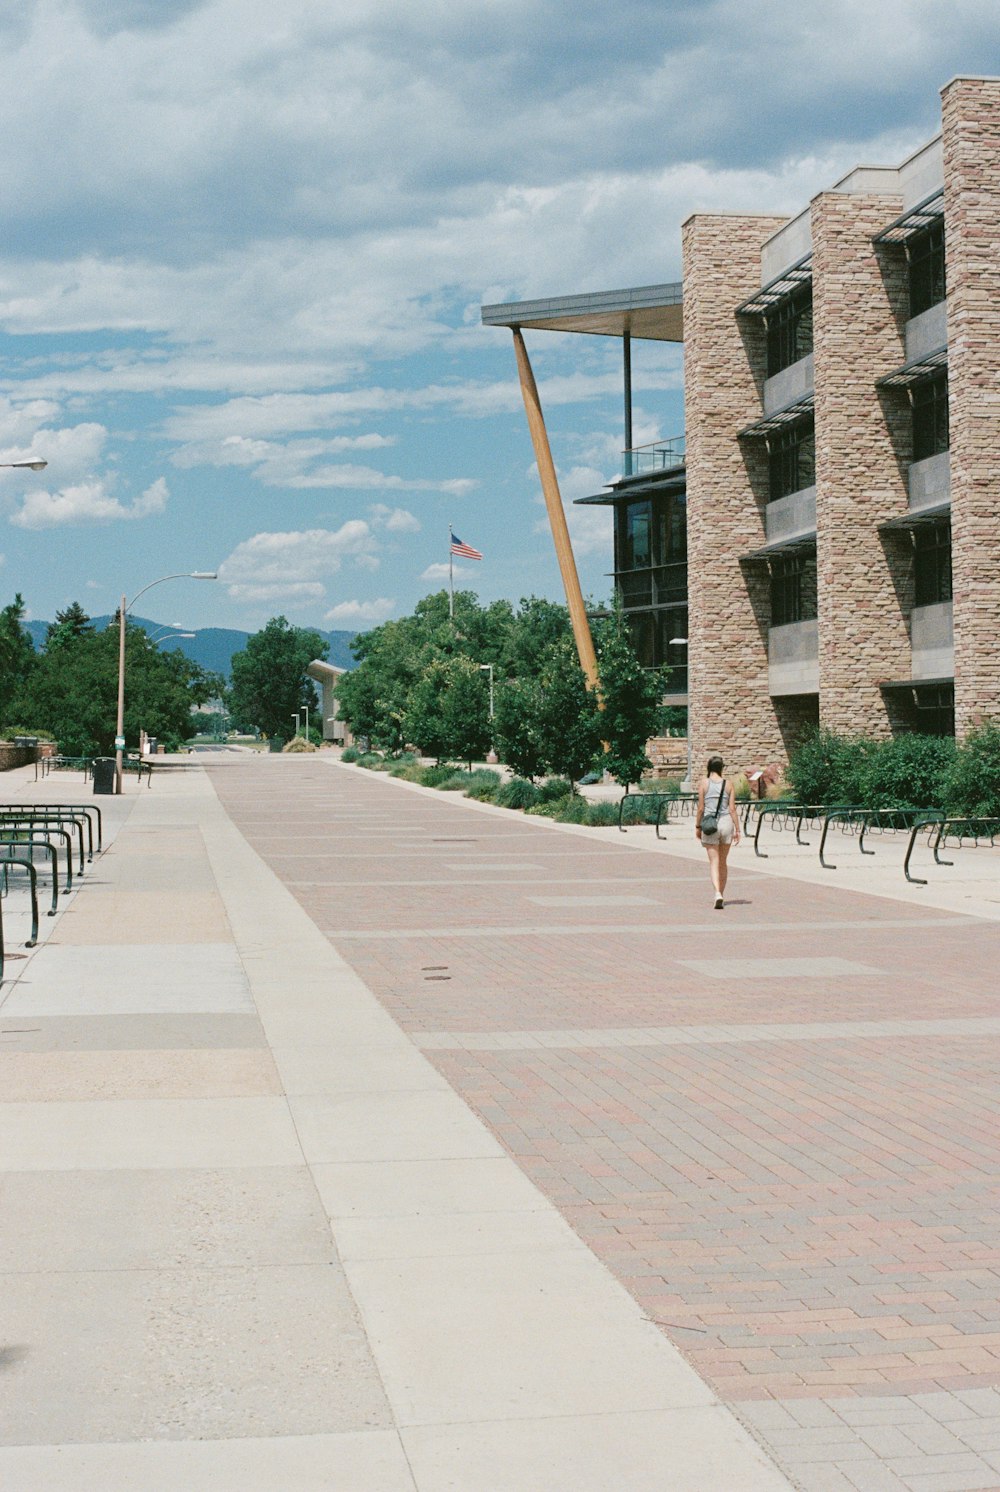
x,y
104,774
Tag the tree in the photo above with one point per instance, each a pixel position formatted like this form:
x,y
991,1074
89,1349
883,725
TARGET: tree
x,y
466,710
269,683
447,712
73,690
515,727
568,720
631,696
71,623
17,658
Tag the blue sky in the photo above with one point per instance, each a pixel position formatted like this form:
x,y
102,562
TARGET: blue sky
x,y
246,244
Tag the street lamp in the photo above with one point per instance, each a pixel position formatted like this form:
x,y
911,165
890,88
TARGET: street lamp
x,y
297,718
169,632
488,668
126,607
25,465
682,642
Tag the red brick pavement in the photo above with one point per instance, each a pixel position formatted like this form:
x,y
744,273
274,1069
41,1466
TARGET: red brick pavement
x,y
804,1217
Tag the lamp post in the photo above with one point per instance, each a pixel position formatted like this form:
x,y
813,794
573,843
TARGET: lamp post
x,y
306,708
297,718
682,642
488,668
126,607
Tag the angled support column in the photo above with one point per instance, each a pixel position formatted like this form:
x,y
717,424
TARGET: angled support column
x,y
557,516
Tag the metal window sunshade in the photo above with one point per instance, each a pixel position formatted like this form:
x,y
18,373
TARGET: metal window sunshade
x,y
915,371
768,423
914,220
778,289
918,518
782,548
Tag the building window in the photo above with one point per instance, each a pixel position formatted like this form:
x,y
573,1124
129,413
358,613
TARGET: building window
x,y
932,564
925,252
653,633
793,589
930,417
651,551
935,710
790,330
792,459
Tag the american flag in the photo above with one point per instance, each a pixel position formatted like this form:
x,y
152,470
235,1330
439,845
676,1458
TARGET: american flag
x,y
466,550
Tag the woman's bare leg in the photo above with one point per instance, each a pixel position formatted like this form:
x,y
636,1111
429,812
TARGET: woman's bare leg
x,y
712,850
723,854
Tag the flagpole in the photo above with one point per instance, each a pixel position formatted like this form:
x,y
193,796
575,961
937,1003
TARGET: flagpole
x,y
451,576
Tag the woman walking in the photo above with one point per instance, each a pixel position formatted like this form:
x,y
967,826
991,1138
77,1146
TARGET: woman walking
x,y
717,824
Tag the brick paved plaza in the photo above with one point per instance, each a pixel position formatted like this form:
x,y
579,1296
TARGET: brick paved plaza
x,y
777,1126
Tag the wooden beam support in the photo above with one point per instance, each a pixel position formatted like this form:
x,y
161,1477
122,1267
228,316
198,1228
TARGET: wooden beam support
x,y
557,516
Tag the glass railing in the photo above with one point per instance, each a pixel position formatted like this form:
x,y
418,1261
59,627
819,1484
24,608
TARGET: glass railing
x,y
660,455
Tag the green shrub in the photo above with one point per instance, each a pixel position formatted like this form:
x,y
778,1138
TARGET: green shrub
x,y
517,793
827,768
408,771
350,754
972,783
370,759
639,808
602,815
10,731
658,785
908,771
548,810
485,785
434,776
574,810
553,788
457,781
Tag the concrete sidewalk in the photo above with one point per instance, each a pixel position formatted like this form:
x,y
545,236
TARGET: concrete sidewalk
x,y
254,1241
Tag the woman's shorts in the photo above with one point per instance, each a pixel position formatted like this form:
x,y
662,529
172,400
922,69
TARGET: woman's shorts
x,y
722,835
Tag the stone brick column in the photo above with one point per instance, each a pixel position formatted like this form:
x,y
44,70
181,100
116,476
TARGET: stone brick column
x,y
730,709
863,448
971,137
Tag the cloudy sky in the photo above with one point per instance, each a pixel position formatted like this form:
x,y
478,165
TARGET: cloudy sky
x,y
245,245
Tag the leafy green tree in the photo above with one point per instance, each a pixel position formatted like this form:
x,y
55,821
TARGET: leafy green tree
x,y
465,710
568,720
515,727
17,658
72,691
447,713
631,696
269,683
71,623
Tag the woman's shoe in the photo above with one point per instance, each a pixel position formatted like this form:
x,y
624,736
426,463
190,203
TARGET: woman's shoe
x,y
719,903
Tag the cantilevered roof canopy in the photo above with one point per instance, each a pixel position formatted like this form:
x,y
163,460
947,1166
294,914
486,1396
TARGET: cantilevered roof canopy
x,y
651,312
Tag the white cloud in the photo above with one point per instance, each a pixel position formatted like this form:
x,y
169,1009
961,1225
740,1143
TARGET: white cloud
x,y
88,502
290,592
440,571
591,529
394,520
360,611
293,558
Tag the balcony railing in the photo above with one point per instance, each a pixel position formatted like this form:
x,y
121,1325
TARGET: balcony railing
x,y
660,455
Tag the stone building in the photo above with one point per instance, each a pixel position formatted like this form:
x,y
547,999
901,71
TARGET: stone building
x,y
842,412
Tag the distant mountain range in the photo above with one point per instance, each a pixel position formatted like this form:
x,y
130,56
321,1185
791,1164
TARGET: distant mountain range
x,y
212,647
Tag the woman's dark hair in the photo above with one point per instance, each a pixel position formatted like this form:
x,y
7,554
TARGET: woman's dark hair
x,y
715,764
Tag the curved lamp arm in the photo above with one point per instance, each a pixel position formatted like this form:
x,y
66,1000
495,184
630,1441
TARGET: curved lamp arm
x,y
182,575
